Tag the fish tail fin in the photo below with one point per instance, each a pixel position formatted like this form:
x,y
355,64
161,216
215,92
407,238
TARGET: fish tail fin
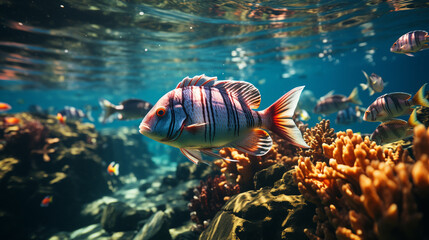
x,y
354,96
278,118
108,109
413,121
116,169
89,114
364,86
419,98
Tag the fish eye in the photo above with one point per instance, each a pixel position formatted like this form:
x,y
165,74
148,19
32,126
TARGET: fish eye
x,y
160,111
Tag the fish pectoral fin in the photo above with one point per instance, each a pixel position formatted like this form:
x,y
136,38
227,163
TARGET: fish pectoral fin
x,y
192,154
371,92
194,128
216,155
258,142
409,54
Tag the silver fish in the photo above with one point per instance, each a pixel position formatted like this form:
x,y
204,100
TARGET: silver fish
x,y
334,103
126,110
203,115
374,83
395,130
410,42
393,105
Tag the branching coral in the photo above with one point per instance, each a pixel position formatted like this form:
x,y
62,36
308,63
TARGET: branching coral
x,y
364,192
209,197
242,172
315,137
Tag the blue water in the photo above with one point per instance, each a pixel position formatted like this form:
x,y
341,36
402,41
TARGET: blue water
x,y
74,52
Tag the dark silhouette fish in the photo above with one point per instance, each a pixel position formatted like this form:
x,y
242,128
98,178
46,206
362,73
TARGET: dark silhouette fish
x,y
126,110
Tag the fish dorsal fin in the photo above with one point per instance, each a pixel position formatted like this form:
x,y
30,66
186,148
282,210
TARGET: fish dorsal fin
x,y
394,121
201,80
329,94
257,142
400,95
243,90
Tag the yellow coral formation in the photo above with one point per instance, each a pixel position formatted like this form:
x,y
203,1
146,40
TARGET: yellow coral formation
x,y
365,191
315,137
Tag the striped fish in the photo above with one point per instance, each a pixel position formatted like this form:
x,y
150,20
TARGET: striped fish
x,y
203,115
393,105
334,103
410,42
349,115
72,113
395,130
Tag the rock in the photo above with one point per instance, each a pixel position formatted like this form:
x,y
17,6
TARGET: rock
x,y
123,235
94,231
268,213
268,176
188,170
118,217
155,228
188,235
169,181
145,186
60,236
178,212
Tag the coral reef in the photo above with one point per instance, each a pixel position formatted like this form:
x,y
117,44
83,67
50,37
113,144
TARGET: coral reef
x,y
315,137
209,197
243,171
366,191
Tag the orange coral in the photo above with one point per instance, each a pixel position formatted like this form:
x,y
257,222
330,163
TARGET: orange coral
x,y
242,172
365,191
315,138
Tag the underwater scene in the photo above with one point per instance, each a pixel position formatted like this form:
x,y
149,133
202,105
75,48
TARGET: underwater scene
x,y
214,120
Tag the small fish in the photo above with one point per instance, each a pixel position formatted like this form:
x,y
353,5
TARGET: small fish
x,y
4,107
126,110
334,103
395,130
204,114
72,113
11,121
307,101
411,42
61,119
303,115
46,201
375,83
113,169
349,115
393,105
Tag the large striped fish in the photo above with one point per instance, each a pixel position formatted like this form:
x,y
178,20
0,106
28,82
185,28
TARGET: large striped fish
x,y
203,115
393,105
410,42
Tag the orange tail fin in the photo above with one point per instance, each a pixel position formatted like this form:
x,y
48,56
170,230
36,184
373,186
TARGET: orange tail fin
x,y
278,118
